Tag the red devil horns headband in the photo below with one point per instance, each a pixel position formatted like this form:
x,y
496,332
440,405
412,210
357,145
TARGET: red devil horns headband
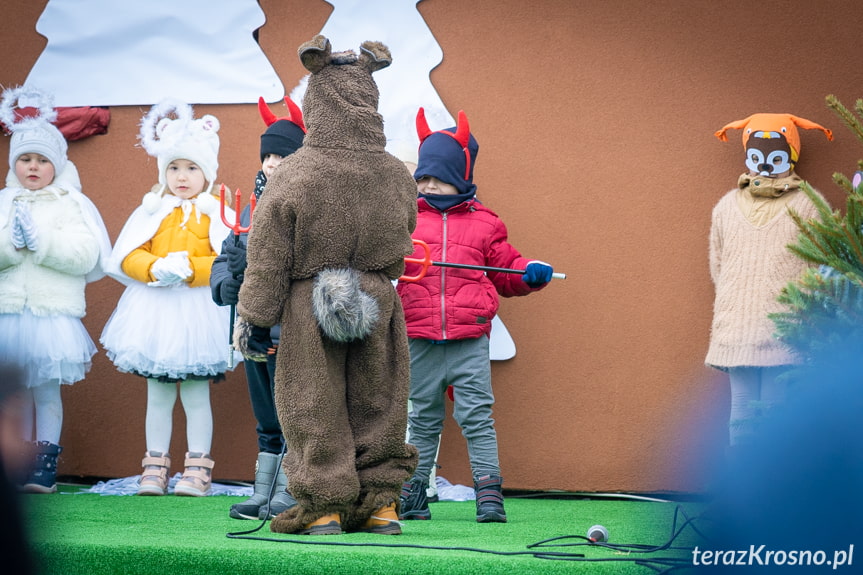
x,y
295,115
462,135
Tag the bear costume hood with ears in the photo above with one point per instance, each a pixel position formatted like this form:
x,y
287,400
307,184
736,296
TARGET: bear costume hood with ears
x,y
341,93
341,200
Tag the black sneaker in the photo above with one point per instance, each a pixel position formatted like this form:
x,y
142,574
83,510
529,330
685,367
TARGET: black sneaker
x,y
489,500
414,500
42,476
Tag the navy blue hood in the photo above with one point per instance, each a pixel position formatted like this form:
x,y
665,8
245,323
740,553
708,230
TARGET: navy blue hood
x,y
442,157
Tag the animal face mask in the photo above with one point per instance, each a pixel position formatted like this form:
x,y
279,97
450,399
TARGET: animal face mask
x,y
768,154
771,141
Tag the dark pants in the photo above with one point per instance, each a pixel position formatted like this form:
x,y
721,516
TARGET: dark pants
x,y
261,379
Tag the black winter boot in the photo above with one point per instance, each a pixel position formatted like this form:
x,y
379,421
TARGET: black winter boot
x,y
489,500
414,500
43,475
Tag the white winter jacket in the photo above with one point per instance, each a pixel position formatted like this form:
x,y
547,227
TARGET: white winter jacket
x,y
72,245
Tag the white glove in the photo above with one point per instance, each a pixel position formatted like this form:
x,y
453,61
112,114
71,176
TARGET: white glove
x,y
165,276
179,264
17,234
24,223
171,269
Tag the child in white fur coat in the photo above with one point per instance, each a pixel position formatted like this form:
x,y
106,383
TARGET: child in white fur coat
x,y
52,243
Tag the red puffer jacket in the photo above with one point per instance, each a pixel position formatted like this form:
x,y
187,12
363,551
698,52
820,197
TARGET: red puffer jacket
x,y
455,303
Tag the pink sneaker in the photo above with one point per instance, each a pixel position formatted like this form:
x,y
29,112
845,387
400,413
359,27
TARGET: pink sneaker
x,y
197,476
154,479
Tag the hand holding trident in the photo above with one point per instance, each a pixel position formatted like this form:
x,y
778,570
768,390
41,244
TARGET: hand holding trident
x,y
237,229
426,261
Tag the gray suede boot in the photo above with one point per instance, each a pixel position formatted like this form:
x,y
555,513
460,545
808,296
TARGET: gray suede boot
x,y
282,499
265,472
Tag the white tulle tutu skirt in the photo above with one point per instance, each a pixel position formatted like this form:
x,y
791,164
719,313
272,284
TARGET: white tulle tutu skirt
x,y
53,348
174,332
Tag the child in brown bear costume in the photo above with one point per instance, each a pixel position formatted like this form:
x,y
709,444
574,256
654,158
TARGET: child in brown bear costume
x,y
327,239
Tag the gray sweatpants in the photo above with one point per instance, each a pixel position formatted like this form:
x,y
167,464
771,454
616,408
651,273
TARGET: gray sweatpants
x,y
465,365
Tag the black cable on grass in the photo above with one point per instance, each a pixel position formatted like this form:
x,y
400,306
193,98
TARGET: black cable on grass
x,y
629,547
658,564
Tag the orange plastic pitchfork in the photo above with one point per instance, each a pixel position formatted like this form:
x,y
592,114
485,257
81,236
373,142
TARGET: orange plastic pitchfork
x,y
237,229
426,261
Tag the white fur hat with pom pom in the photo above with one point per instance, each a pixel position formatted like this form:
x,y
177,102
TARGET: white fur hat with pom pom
x,y
182,137
36,134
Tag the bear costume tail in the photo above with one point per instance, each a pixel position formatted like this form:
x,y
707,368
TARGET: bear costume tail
x,y
343,310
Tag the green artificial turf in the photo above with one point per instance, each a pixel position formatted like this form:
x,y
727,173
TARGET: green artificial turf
x,y
77,533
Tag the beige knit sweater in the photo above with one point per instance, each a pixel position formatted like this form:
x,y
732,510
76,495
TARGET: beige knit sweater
x,y
750,264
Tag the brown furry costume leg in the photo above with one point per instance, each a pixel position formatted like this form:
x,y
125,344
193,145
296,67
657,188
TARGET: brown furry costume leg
x,y
343,410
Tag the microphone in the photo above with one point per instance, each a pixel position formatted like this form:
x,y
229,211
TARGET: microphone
x,y
597,534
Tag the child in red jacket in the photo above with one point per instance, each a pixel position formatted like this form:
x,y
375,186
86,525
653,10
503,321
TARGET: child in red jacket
x,y
449,313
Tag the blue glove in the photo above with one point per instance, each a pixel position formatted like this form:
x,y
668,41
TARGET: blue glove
x,y
235,258
537,274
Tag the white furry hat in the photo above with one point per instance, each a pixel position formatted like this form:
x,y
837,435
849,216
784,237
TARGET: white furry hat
x,y
33,135
181,138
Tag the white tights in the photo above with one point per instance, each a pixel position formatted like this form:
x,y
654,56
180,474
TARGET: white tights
x,y
45,403
161,397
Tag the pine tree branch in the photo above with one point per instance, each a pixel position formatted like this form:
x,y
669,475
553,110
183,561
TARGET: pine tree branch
x,y
846,115
824,306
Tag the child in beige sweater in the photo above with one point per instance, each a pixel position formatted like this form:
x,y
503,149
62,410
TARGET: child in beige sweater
x,y
750,263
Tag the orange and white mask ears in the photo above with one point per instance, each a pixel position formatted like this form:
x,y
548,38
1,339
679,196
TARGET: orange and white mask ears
x,y
810,125
738,125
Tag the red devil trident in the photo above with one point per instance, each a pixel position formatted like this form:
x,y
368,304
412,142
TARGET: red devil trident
x,y
426,261
237,229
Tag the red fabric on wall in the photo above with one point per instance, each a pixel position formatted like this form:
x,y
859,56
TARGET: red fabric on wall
x,y
75,123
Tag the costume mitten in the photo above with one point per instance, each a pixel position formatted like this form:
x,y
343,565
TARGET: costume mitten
x,y
26,225
537,273
236,258
252,341
260,341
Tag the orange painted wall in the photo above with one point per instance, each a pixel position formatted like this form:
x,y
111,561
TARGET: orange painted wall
x,y
595,122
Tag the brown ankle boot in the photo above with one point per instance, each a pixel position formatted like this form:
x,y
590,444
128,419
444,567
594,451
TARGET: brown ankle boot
x,y
330,524
383,521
